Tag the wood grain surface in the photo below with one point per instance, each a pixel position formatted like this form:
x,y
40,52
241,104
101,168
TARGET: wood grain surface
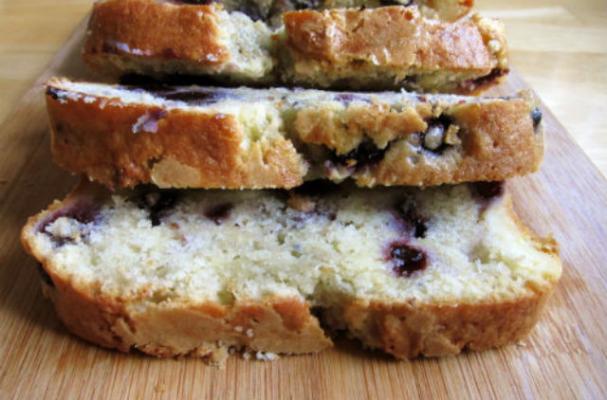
x,y
565,356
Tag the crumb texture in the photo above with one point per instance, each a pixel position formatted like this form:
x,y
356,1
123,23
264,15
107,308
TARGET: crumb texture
x,y
201,137
321,44
229,267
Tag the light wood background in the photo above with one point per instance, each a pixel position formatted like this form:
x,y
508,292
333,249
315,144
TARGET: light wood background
x,y
565,357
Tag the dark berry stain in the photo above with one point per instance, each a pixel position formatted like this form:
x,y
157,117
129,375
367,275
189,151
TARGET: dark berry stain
x,y
303,4
536,117
219,213
395,3
413,220
474,84
488,190
365,154
168,91
54,93
347,98
193,96
251,9
158,203
407,259
169,86
149,121
82,212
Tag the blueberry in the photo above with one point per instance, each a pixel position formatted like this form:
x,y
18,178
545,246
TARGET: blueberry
x,y
536,117
218,213
488,190
395,3
407,259
157,202
55,94
365,154
82,212
413,220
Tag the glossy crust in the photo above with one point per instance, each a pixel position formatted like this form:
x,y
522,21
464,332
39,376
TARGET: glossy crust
x,y
386,47
356,48
279,325
123,31
186,150
97,136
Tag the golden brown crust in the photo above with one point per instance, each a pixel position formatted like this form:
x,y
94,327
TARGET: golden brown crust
x,y
122,145
277,325
412,330
356,46
495,141
154,30
386,47
280,325
202,330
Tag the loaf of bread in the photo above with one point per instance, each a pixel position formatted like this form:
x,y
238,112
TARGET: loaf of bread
x,y
376,48
197,137
411,272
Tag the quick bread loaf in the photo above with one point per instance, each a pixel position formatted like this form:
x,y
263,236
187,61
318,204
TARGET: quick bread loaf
x,y
411,272
271,219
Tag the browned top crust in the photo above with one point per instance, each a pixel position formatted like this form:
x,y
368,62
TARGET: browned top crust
x,y
156,30
185,150
345,36
414,141
352,44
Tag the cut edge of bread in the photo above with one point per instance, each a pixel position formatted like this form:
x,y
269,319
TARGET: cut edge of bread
x,y
286,324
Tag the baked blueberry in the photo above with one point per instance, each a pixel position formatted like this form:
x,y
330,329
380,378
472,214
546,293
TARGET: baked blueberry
x,y
407,259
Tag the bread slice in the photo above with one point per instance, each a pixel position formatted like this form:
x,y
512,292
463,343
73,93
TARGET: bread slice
x,y
201,137
385,47
411,272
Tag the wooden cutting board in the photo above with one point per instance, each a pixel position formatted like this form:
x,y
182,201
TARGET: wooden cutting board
x,y
565,356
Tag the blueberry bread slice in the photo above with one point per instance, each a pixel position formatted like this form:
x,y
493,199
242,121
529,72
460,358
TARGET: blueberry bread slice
x,y
385,47
407,271
201,137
